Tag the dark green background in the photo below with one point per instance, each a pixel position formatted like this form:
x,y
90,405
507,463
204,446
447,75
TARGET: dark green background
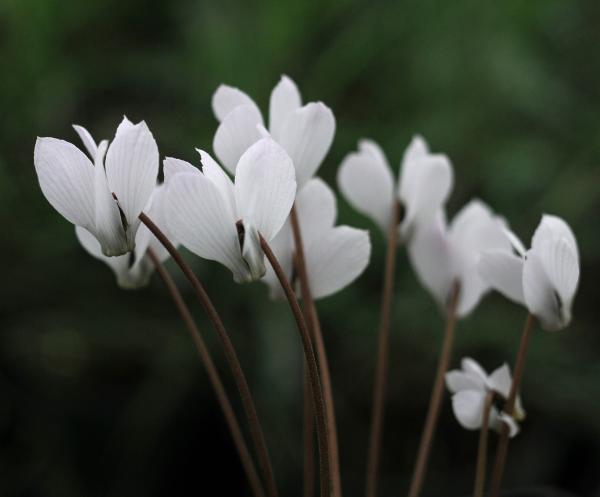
x,y
101,393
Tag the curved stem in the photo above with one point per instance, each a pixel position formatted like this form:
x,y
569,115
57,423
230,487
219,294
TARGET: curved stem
x,y
509,407
381,372
213,375
436,397
256,432
312,318
313,369
482,449
309,433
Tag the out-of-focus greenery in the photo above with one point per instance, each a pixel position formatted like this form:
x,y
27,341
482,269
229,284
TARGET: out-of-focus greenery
x,y
101,393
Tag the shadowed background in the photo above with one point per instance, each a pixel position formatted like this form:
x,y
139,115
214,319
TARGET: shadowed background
x,y
101,391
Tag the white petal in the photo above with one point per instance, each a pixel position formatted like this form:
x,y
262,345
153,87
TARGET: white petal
x,y
416,150
215,173
504,272
201,220
516,243
468,408
552,228
227,98
285,98
66,178
156,210
283,248
561,263
366,180
501,380
429,254
123,126
265,187
238,131
316,209
457,380
172,166
132,169
513,427
88,142
252,252
336,259
306,135
473,368
540,297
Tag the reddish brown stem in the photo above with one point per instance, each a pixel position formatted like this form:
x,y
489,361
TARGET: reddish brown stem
x,y
315,330
482,449
381,371
509,407
435,401
313,369
256,431
213,375
309,433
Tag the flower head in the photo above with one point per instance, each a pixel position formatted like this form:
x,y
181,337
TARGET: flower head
x,y
442,255
305,132
221,221
107,196
334,255
543,278
470,386
424,183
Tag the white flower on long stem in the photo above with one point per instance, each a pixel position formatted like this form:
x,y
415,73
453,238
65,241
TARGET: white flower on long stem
x,y
442,255
221,221
133,270
544,278
470,386
305,132
335,255
104,197
424,184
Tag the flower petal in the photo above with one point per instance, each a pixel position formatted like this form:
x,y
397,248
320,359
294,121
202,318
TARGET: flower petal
x,y
540,297
366,180
553,228
336,259
215,173
306,135
88,142
513,427
473,368
227,98
468,408
66,178
504,272
500,380
457,380
132,169
285,98
238,131
409,168
316,209
172,166
282,246
265,187
200,218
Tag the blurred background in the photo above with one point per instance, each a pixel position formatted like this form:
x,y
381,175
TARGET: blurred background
x,y
101,391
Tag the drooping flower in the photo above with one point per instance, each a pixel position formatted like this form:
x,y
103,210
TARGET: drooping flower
x,y
334,255
470,386
442,255
305,132
221,221
544,278
104,197
424,184
133,270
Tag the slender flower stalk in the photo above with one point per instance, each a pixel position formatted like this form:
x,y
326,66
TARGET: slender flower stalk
x,y
380,381
313,369
309,433
436,396
230,353
213,375
509,407
315,328
482,449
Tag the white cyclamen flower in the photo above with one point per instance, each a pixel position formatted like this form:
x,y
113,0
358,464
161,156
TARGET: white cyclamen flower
x,y
133,270
107,196
424,184
470,386
221,221
442,255
305,132
334,255
544,278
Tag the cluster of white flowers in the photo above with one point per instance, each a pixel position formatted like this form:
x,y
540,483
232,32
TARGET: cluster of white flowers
x,y
273,169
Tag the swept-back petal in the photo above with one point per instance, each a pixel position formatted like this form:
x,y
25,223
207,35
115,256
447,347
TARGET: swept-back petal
x,y
316,208
409,167
66,178
88,142
236,133
285,98
473,368
500,380
503,271
468,408
132,169
219,177
336,259
540,296
457,380
366,180
227,98
172,166
265,187
553,228
306,135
